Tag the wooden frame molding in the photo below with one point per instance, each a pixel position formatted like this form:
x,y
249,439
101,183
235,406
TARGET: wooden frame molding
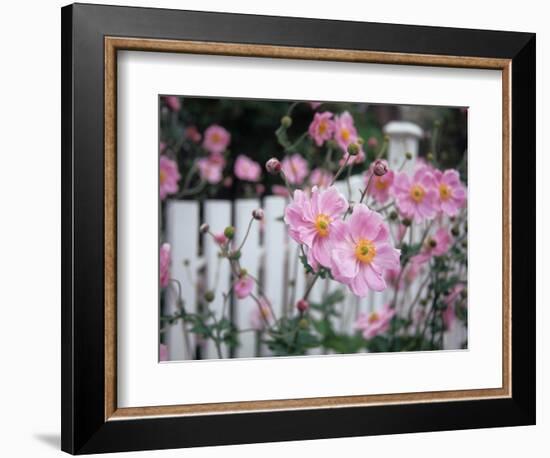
x,y
114,44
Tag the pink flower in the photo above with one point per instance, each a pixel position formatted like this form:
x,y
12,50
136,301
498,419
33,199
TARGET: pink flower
x,y
452,194
381,186
169,177
449,315
279,190
220,238
246,169
412,270
362,253
165,259
417,196
345,132
193,134
173,102
314,221
321,128
375,323
163,352
216,139
436,245
295,168
243,286
372,142
321,178
260,315
454,294
315,105
211,168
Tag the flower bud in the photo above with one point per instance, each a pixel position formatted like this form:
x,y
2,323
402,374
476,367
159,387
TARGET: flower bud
x,y
360,141
432,243
353,149
229,232
204,228
380,167
408,156
273,166
406,222
209,296
455,231
243,273
393,215
302,305
234,255
303,323
429,157
286,121
258,214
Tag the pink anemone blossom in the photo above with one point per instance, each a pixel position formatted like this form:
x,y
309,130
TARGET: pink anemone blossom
x,y
295,169
220,239
280,191
243,286
216,139
321,178
380,187
435,245
211,168
313,221
193,134
173,102
452,194
260,315
169,177
163,352
375,323
417,197
449,315
315,105
165,259
321,128
344,131
362,252
246,169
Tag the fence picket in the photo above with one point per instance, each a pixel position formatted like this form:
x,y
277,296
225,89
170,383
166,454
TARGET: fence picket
x,y
182,218
250,260
217,214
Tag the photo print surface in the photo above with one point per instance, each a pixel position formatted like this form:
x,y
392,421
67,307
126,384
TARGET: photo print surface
x,y
296,228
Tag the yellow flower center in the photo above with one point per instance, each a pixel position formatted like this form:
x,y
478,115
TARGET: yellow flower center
x,y
322,127
344,133
417,193
444,191
162,176
365,251
322,224
380,183
373,317
215,138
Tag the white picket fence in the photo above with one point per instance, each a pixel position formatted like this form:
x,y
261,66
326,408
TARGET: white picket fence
x,y
269,255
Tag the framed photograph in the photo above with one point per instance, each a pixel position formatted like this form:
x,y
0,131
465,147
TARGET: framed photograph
x,y
282,229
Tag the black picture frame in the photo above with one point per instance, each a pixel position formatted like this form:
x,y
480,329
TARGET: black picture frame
x,y
84,428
